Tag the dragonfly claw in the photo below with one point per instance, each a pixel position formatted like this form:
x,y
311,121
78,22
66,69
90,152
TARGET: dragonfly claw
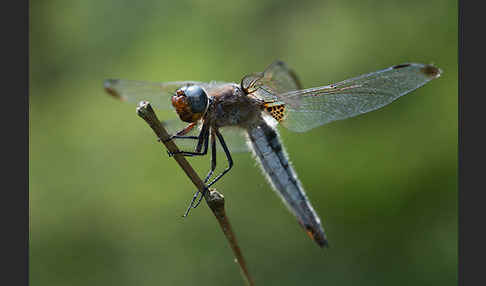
x,y
192,205
200,198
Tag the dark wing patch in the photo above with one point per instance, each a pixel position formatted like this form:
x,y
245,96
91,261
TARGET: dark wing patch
x,y
276,111
431,71
400,66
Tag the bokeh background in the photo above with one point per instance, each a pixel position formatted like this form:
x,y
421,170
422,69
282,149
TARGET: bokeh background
x,y
106,201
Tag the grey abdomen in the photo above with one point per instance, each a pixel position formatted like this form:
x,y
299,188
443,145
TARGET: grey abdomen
x,y
273,159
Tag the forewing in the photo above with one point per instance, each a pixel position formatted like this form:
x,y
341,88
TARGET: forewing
x,y
309,108
158,94
277,78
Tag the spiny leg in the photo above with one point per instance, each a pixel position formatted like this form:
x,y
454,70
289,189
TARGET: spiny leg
x,y
213,156
230,165
213,166
203,140
191,205
191,154
228,157
181,134
203,135
181,137
206,133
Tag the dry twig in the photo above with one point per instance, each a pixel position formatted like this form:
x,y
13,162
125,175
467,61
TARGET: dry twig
x,y
214,199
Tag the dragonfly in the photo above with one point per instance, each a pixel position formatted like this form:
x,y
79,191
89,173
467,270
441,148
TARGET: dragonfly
x,y
257,105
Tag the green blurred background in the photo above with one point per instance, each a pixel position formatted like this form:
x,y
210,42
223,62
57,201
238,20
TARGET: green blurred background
x,y
106,201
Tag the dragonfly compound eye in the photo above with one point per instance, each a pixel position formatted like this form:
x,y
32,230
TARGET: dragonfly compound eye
x,y
197,98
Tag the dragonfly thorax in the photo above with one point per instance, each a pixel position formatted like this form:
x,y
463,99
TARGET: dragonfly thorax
x,y
231,106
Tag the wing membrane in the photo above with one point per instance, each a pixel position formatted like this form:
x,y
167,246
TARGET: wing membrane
x,y
158,94
277,78
309,108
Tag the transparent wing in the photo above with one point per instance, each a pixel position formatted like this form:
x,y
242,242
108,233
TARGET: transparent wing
x,y
277,78
235,138
158,94
309,108
175,125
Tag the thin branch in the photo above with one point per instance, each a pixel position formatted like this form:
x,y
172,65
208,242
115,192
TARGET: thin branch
x,y
214,199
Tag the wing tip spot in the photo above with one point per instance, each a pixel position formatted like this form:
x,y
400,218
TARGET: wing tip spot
x,y
108,85
431,71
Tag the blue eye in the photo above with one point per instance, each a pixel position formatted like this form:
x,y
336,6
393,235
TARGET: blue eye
x,y
197,98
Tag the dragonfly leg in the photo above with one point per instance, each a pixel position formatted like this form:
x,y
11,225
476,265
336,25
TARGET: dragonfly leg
x,y
196,153
213,166
191,204
181,134
228,157
181,137
200,198
213,157
203,140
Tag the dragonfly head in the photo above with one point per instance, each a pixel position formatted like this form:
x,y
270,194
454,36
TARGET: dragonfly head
x,y
190,102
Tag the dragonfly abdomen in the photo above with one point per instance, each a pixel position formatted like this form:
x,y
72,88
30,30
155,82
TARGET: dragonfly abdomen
x,y
273,159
